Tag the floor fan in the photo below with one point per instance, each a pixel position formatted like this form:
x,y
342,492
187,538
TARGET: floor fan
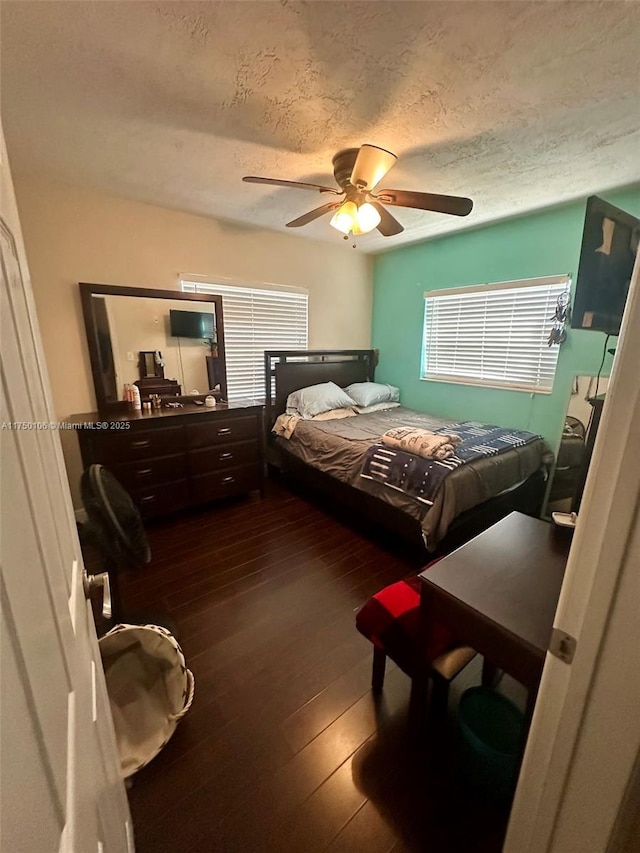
x,y
114,529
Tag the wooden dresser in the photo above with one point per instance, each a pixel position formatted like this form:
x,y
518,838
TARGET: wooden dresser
x,y
172,459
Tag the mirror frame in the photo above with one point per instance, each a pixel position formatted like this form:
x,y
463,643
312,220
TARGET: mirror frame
x,y
580,482
143,367
88,290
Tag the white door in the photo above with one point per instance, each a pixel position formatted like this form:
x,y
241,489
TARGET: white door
x,y
579,779
60,788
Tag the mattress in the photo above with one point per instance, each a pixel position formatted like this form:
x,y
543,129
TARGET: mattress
x,y
337,448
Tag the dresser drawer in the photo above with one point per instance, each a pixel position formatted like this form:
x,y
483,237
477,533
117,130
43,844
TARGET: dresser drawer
x,y
161,500
223,456
131,445
220,484
150,472
221,431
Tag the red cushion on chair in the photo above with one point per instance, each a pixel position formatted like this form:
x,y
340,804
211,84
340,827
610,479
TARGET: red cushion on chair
x,y
391,621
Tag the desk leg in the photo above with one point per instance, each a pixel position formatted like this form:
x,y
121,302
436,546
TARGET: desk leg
x,y
379,665
418,704
429,691
438,700
491,675
532,696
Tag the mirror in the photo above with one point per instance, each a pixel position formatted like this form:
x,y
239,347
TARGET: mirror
x,y
582,418
165,342
151,364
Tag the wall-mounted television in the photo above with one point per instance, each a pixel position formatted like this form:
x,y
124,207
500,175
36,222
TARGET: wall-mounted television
x,y
609,245
192,324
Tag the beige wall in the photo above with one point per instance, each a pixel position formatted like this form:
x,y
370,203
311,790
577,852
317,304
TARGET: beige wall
x,y
74,235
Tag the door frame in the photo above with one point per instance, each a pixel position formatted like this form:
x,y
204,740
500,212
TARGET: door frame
x,y
567,725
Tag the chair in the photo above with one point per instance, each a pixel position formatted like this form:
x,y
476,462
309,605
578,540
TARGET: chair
x,y
391,621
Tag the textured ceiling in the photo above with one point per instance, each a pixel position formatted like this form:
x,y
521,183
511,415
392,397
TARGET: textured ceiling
x,y
518,105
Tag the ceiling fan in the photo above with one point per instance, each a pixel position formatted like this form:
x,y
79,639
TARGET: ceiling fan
x,y
359,209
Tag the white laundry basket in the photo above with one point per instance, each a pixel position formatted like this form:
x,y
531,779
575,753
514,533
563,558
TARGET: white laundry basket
x,y
150,690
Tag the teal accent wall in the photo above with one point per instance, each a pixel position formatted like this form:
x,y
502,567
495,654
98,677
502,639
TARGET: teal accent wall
x,y
540,244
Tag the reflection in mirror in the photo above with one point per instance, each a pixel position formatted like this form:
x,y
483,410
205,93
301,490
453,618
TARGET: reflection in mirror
x,y
581,423
151,364
166,346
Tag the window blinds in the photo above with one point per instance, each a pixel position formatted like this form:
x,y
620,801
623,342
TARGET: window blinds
x,y
256,320
494,335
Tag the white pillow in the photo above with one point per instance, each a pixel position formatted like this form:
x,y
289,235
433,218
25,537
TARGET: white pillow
x,y
370,393
316,399
377,407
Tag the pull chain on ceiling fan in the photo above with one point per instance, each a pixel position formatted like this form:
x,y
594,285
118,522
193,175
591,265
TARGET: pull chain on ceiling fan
x,y
359,209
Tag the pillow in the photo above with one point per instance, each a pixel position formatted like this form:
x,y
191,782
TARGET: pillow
x,y
370,393
377,407
316,399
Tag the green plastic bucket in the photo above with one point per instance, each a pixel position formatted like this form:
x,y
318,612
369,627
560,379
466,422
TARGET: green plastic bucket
x,y
491,744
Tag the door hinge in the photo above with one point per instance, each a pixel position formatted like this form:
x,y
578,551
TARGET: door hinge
x,y
562,645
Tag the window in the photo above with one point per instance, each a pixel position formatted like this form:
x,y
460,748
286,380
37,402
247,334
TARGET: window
x,y
256,319
493,335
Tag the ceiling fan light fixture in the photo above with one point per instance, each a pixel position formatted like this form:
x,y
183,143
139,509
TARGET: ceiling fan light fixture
x,y
367,218
355,209
372,164
355,219
344,217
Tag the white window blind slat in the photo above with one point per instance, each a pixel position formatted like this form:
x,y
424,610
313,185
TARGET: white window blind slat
x,y
494,335
256,320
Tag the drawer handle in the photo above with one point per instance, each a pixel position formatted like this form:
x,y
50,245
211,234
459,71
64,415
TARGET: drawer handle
x,y
228,480
225,456
143,443
148,498
224,431
144,472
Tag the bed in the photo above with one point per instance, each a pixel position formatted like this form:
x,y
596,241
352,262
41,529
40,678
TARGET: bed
x,y
327,457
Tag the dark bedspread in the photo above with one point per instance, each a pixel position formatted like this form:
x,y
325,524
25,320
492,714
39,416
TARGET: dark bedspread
x,y
338,447
422,478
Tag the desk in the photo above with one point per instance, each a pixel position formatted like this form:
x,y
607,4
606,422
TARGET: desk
x,y
499,592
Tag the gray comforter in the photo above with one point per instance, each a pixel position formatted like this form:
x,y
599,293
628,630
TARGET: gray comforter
x,y
337,447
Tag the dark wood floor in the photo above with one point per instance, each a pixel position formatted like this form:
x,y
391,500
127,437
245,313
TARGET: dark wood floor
x,y
284,749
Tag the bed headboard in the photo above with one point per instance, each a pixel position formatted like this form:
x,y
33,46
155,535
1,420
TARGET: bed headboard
x,y
287,371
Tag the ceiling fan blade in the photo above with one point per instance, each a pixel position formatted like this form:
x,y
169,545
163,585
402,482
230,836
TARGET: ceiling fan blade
x,y
306,218
453,204
388,225
372,164
252,179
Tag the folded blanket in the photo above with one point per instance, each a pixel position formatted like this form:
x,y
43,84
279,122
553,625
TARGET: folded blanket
x,y
285,425
420,442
